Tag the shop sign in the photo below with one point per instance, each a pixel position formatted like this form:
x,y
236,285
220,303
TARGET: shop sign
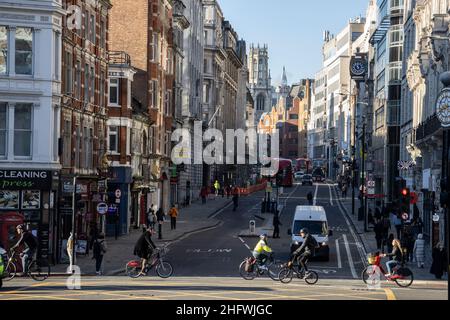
x,y
102,208
25,180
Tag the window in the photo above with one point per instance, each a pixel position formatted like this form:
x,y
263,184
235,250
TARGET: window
x,y
67,143
155,94
78,80
68,73
3,129
24,51
102,89
379,118
155,48
22,129
114,91
205,66
293,116
92,76
167,103
260,102
102,34
86,83
113,139
86,148
3,50
77,146
57,57
92,29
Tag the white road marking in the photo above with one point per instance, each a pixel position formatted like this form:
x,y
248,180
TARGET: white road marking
x,y
331,196
220,211
338,254
242,240
248,247
315,194
350,259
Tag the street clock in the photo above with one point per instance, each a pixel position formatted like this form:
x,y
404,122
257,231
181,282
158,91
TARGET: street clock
x,y
443,107
358,67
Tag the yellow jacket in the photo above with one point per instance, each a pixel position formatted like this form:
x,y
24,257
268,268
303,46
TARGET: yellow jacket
x,y
262,247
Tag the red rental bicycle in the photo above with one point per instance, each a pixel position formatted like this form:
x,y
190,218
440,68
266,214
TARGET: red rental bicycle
x,y
372,274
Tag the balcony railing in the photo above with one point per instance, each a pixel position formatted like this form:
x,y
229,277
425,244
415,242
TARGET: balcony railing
x,y
119,58
427,128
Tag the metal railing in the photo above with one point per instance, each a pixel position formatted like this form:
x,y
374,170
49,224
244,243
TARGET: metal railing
x,y
427,128
119,58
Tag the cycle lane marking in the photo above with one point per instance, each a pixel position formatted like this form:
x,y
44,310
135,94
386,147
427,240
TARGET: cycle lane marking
x,y
349,255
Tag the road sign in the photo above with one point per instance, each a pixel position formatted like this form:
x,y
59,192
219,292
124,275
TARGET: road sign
x,y
405,216
102,208
118,193
371,184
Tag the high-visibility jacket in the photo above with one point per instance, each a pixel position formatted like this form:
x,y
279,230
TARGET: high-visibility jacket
x,y
262,247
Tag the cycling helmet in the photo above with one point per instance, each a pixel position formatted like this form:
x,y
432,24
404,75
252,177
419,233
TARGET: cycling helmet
x,y
304,230
263,236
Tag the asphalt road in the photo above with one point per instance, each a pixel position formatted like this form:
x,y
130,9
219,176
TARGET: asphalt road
x,y
206,265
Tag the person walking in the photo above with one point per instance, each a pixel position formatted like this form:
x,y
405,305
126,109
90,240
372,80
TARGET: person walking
x,y
419,251
439,264
309,197
150,214
276,226
204,194
235,198
93,235
216,188
344,191
397,223
173,213
100,249
378,229
386,223
160,219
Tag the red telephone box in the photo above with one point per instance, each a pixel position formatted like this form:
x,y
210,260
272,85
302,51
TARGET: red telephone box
x,y
8,223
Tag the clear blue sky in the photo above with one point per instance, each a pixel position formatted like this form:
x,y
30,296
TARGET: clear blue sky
x,y
293,29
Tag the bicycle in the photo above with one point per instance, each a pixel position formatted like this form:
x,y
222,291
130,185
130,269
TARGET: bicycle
x,y
289,269
371,275
250,269
34,270
163,268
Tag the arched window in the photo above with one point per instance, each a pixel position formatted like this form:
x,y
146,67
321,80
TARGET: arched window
x,y
144,143
260,102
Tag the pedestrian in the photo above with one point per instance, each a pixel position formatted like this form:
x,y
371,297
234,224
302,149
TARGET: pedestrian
x,y
439,261
235,198
386,228
389,243
309,197
397,222
417,223
410,241
173,213
276,226
419,251
116,221
378,214
228,191
344,191
150,213
160,218
204,194
100,249
216,188
93,235
378,229
370,218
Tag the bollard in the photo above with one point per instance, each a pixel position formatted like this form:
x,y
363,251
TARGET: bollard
x,y
252,227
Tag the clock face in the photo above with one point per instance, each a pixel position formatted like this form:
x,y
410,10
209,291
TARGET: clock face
x,y
443,108
358,68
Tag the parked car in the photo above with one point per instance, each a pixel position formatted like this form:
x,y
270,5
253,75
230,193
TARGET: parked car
x,y
318,175
307,179
298,175
314,218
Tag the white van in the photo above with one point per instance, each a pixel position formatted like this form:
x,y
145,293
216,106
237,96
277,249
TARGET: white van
x,y
315,220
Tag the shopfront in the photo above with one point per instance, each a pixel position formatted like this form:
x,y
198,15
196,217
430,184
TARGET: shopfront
x,y
28,196
119,196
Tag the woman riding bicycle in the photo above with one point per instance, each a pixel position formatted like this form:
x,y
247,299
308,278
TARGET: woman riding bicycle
x,y
144,248
396,254
262,250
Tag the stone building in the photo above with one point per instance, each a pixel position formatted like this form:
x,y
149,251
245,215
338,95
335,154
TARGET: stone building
x,y
30,110
260,79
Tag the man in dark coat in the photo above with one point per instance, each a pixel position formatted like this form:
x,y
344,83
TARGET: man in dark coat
x,y
439,264
160,219
276,226
144,247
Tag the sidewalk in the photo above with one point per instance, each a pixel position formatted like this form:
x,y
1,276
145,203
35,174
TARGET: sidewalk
x,y
196,217
370,245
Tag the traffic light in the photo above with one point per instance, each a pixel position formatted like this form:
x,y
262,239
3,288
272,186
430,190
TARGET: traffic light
x,y
405,199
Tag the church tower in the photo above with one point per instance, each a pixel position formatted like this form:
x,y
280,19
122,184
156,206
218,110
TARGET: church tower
x,y
260,80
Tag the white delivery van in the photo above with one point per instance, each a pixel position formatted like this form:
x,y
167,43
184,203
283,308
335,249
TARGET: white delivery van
x,y
315,220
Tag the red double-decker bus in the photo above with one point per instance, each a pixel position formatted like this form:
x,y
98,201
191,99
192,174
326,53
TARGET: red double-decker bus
x,y
304,165
285,175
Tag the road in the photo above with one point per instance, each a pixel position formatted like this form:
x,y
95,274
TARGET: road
x,y
206,265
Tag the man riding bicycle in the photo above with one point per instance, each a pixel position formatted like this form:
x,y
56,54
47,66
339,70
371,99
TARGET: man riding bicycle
x,y
306,250
31,243
144,248
262,251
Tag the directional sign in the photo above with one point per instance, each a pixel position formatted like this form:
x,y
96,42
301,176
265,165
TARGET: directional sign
x,y
118,193
102,208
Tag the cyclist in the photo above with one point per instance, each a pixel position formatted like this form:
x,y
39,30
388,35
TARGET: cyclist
x,y
30,241
306,250
144,248
262,251
396,254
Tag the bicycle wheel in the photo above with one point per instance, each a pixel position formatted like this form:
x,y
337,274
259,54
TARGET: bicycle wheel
x,y
285,275
247,275
274,270
37,272
133,269
164,269
10,271
407,278
311,277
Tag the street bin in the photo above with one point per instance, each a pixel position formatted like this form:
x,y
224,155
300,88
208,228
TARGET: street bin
x,y
252,227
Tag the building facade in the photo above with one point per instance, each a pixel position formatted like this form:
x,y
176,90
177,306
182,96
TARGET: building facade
x,y
30,96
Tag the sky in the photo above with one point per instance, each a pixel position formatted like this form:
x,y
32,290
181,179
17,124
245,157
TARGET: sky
x,y
293,30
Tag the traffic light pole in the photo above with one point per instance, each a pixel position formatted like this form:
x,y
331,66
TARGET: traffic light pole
x,y
363,174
